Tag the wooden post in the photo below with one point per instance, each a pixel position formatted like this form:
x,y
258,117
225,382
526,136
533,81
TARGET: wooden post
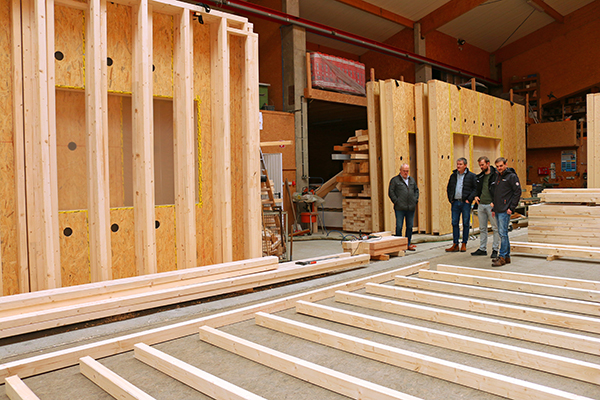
x,y
183,138
97,141
473,84
593,140
220,97
143,140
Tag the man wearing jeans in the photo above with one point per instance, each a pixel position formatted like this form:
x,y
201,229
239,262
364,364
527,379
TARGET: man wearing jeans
x,y
462,187
404,193
506,192
485,178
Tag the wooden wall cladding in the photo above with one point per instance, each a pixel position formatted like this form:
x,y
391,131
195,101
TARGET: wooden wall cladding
x,y
120,47
162,76
74,248
166,251
122,239
69,36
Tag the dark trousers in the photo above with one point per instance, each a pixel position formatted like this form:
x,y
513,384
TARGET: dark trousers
x,y
460,207
410,217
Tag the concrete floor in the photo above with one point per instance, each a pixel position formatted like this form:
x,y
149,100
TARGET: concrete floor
x,y
68,383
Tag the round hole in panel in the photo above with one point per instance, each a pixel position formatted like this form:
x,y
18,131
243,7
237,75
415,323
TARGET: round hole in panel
x,y
59,55
68,231
109,61
114,227
72,146
156,224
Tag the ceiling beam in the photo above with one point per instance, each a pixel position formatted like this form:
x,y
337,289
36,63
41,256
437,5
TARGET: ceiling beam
x,y
585,15
446,13
380,12
558,17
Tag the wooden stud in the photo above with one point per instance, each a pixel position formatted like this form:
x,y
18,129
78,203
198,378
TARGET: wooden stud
x,y
377,185
593,140
423,156
110,382
338,382
183,143
386,93
143,141
570,321
546,362
16,389
531,333
202,381
475,378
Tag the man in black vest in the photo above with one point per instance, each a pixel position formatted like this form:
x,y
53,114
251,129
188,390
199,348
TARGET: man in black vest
x,y
404,193
462,188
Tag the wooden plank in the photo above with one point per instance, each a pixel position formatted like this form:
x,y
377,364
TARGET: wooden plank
x,y
196,378
476,378
143,141
386,90
67,357
593,140
110,382
374,124
564,320
506,328
524,357
574,251
592,197
16,389
335,97
338,382
586,295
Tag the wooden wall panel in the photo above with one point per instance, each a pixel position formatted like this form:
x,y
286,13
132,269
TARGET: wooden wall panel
x,y
120,47
115,151
164,173
423,156
521,148
509,138
454,113
71,150
552,134
166,251
69,39
470,111
486,115
162,55
378,193
236,80
122,242
74,248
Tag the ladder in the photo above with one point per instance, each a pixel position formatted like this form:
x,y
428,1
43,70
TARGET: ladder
x,y
272,216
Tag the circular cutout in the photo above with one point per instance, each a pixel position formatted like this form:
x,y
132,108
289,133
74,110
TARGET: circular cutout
x,y
59,55
114,227
414,118
156,224
455,118
400,158
68,231
72,146
153,68
109,61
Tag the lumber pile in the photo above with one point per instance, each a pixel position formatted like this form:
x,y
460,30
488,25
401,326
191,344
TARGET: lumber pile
x,y
355,183
379,247
555,251
566,217
47,309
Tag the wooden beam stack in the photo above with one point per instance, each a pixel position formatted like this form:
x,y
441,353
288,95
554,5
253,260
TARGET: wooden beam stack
x,y
380,246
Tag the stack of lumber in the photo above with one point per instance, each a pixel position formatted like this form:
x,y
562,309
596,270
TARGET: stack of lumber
x,y
555,251
273,241
379,247
52,308
567,217
355,183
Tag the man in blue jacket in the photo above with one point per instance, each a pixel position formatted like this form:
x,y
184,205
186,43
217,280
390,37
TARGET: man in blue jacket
x,y
462,188
404,193
506,192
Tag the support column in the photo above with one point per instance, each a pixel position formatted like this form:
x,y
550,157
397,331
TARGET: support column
x,y
294,81
422,71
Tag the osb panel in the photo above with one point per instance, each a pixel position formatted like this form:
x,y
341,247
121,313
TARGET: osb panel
x,y
509,134
163,55
469,111
498,117
74,248
487,115
521,144
454,113
236,69
115,151
122,243
71,150
9,269
204,220
69,32
166,251
119,47
280,126
461,148
403,99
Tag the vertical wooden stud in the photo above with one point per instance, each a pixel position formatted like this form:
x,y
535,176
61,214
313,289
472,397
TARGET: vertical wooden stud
x,y
183,120
378,190
96,98
423,167
220,98
593,140
143,140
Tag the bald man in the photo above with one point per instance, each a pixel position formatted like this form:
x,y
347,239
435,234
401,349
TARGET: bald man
x,y
404,193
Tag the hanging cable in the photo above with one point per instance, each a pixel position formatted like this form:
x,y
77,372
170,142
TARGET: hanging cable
x,y
515,31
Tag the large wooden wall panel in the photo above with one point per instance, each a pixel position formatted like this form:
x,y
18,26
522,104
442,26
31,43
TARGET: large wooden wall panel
x,y
454,113
120,47
122,243
162,42
469,107
486,115
69,36
166,251
74,248
236,81
115,151
509,139
423,156
521,147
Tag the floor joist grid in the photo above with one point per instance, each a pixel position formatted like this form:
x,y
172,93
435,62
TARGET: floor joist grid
x,y
452,333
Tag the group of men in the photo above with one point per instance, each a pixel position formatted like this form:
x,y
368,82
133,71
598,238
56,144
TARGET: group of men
x,y
495,192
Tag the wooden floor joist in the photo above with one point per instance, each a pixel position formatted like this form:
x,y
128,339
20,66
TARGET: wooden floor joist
x,y
16,389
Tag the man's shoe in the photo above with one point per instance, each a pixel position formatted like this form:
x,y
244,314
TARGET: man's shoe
x,y
452,249
507,260
479,252
463,247
412,247
498,262
494,254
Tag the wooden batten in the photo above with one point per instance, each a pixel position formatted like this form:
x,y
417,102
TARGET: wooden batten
x,y
423,161
143,140
378,190
593,140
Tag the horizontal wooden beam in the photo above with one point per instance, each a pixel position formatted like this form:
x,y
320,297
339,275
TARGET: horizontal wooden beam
x,y
546,362
380,12
16,389
558,17
446,13
338,382
335,97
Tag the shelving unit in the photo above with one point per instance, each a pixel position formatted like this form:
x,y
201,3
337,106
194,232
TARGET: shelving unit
x,y
528,85
571,107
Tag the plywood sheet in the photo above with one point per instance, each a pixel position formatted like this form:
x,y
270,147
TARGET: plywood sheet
x,y
521,139
71,150
454,113
486,115
122,243
69,32
115,151
552,134
236,69
403,107
423,154
166,251
119,47
162,76
74,248
508,134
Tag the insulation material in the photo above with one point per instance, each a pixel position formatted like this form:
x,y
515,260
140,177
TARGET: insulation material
x,y
336,73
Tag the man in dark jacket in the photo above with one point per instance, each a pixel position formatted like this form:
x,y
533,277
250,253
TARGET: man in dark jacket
x,y
404,193
506,192
462,187
483,199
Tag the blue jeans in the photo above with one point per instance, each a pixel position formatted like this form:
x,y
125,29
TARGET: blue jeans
x,y
410,217
503,219
460,207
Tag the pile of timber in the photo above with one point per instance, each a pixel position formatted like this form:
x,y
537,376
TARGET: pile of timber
x,y
380,246
566,217
45,309
555,251
355,183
